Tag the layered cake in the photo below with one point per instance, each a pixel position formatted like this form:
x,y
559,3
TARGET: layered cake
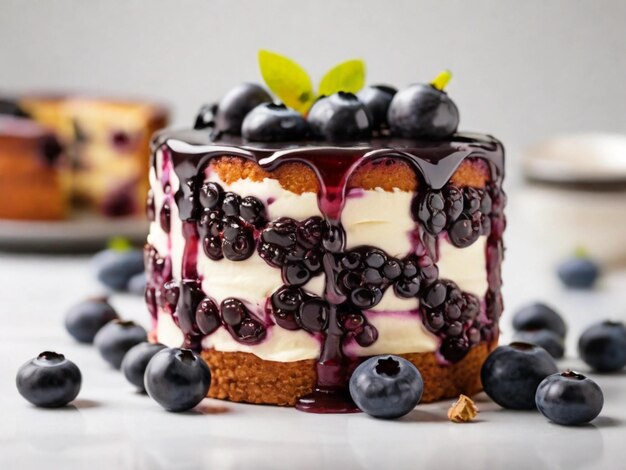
x,y
289,248
107,146
33,171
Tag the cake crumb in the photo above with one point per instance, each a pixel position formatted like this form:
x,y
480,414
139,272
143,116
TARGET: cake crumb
x,y
463,410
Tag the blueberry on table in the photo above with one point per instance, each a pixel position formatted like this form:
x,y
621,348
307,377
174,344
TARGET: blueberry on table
x,y
116,338
548,340
377,99
137,284
569,398
269,122
340,116
511,374
136,360
205,119
603,346
424,111
177,379
235,104
49,380
578,273
85,319
386,386
115,268
539,316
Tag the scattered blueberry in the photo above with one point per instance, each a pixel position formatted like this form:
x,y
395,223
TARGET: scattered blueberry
x,y
340,117
49,380
205,118
136,360
270,122
603,346
511,374
386,386
569,398
548,340
578,273
422,111
114,268
85,319
235,104
538,316
376,99
177,379
115,339
137,284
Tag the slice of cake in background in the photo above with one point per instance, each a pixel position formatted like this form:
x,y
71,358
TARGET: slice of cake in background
x,y
34,171
290,253
108,142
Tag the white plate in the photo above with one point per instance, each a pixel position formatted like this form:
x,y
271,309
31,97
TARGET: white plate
x,y
583,158
84,231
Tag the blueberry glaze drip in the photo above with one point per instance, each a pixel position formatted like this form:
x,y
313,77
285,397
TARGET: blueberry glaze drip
x,y
461,214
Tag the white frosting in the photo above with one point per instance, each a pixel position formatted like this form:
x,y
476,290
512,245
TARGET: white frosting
x,y
398,333
379,218
371,217
279,345
467,267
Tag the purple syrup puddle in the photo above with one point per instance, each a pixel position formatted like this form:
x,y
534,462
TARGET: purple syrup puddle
x,y
190,153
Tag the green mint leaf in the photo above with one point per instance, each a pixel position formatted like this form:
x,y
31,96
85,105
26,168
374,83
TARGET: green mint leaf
x,y
348,76
119,244
288,80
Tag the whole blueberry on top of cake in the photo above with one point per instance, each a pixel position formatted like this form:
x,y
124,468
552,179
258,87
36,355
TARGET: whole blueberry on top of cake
x,y
295,232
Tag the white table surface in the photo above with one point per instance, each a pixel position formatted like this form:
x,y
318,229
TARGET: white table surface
x,y
112,427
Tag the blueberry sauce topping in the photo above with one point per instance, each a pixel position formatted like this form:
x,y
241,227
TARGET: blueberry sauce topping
x,y
226,225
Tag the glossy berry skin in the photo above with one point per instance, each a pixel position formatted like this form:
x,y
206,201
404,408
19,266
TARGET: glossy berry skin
x,y
603,346
386,387
548,340
137,284
136,360
569,398
49,380
205,119
340,117
511,374
270,122
538,316
578,273
115,268
85,319
116,338
235,104
177,379
422,111
377,99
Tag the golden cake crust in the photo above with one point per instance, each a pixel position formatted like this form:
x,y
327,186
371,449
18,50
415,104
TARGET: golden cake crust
x,y
244,377
388,174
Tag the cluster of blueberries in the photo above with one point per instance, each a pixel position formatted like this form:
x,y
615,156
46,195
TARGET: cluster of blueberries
x,y
420,111
177,379
524,375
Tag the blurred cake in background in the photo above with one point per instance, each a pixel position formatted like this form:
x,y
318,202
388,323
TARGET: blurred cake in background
x,y
33,171
106,144
576,196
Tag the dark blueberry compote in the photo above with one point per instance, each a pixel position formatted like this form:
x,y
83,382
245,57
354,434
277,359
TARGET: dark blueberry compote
x,y
230,227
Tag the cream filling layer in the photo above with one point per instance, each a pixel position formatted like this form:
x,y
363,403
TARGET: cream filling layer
x,y
370,217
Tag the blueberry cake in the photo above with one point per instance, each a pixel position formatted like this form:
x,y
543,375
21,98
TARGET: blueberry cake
x,y
33,170
288,248
106,146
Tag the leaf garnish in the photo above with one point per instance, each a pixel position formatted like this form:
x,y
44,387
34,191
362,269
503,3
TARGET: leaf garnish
x,y
288,80
348,76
